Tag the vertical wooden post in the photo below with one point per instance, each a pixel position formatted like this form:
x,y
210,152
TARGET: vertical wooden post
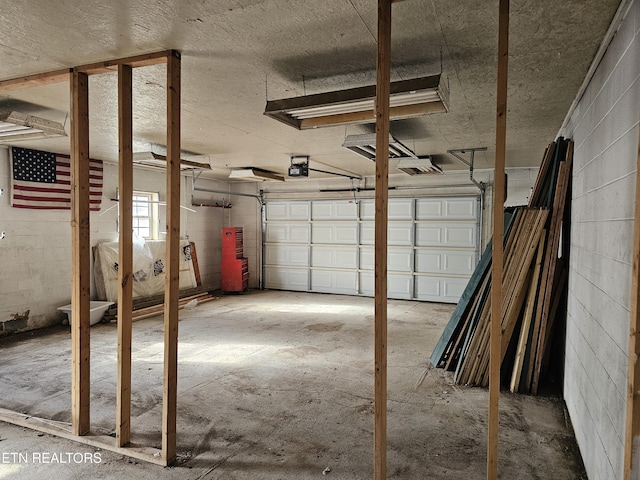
x,y
497,258
169,401
80,254
632,428
381,223
125,260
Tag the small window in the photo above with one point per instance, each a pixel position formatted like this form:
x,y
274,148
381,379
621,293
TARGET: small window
x,y
145,214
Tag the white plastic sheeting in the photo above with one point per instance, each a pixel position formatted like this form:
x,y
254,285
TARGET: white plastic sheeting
x,y
149,265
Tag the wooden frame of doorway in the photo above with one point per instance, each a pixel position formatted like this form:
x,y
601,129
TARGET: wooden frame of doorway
x,y
81,275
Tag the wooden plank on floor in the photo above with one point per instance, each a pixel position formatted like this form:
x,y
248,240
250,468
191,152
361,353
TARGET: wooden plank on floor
x,y
80,254
383,87
497,260
125,254
147,454
169,399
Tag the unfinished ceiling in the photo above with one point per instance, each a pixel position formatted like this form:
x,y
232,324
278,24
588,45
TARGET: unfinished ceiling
x,y
236,54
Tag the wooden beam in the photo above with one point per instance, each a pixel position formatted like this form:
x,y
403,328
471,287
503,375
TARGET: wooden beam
x,y
383,80
171,293
145,60
125,252
497,259
80,253
37,80
632,424
63,75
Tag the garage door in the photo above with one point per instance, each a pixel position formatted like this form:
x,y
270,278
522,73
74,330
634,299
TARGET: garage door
x,y
327,246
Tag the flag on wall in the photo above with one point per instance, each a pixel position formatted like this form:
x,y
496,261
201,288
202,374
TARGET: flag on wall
x,y
42,180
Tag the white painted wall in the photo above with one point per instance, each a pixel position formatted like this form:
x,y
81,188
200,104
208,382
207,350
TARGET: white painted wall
x,y
604,128
35,255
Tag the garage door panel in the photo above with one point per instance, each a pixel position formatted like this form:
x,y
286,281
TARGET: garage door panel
x,y
460,236
440,234
367,210
398,285
399,259
460,208
335,233
334,257
284,211
283,233
400,209
439,289
400,233
457,262
292,255
287,278
428,209
333,281
334,210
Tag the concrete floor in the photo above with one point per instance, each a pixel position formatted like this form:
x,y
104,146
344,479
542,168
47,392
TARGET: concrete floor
x,y
279,385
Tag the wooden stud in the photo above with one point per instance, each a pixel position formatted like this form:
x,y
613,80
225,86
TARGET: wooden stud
x,y
169,400
632,424
125,252
80,254
383,78
497,260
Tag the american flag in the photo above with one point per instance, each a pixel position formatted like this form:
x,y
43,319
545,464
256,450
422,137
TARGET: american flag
x,y
42,180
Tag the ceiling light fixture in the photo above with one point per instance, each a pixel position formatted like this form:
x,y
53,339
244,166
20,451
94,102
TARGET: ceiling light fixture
x,y
16,126
255,174
151,159
408,161
418,166
408,98
365,145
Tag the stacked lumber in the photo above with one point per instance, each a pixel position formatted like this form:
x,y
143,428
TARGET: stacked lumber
x,y
151,306
533,286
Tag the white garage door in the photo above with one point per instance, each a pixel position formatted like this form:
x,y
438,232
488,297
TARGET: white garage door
x,y
327,246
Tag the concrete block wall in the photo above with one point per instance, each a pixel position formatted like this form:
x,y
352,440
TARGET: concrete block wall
x,y
605,130
36,252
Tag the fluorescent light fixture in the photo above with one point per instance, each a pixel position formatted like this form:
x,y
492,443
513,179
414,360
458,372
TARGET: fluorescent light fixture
x,y
408,98
152,159
365,145
408,161
16,126
254,174
418,166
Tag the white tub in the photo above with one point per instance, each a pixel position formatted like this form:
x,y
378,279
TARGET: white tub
x,y
96,311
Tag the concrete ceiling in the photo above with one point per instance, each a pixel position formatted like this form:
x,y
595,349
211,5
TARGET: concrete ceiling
x,y
238,53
